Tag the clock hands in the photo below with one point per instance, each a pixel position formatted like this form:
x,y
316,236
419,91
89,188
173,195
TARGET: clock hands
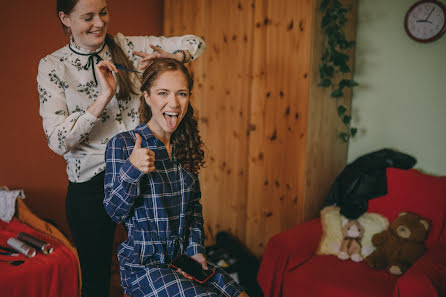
x,y
433,8
426,20
423,21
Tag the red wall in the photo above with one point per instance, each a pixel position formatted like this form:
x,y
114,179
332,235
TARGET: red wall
x,y
29,31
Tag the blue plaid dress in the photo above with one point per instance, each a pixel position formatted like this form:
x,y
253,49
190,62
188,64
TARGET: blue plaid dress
x,y
163,217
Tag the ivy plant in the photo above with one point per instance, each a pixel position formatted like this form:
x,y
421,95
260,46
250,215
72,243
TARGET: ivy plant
x,y
334,59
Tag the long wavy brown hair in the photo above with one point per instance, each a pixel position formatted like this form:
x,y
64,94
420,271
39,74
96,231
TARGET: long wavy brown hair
x,y
186,138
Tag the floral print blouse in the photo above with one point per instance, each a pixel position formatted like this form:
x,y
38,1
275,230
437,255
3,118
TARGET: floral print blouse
x,y
66,89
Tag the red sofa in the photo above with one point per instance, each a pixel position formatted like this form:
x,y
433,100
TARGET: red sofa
x,y
290,266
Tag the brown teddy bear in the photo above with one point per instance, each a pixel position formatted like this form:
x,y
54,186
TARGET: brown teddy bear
x,y
398,247
351,243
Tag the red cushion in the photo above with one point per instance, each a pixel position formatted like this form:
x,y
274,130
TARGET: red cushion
x,y
411,190
329,276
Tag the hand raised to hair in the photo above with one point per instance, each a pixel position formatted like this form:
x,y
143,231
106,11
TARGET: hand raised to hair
x,y
104,70
142,158
157,53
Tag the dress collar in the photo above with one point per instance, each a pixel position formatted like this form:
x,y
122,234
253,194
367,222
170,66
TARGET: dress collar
x,y
144,131
91,55
147,134
81,50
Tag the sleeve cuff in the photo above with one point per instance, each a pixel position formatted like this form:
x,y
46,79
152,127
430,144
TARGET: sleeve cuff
x,y
194,45
91,118
130,173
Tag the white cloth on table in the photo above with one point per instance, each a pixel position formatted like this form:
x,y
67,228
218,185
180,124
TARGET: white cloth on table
x,y
7,203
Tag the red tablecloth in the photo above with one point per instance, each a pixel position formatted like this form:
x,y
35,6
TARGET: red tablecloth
x,y
53,275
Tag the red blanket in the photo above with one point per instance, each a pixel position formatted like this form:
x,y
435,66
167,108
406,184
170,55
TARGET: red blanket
x,y
52,275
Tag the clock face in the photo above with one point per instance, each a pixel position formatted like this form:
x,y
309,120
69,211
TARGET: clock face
x,y
425,21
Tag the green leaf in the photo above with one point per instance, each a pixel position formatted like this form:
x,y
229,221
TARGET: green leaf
x,y
324,83
346,119
347,83
336,4
342,20
344,68
330,71
352,83
340,36
343,136
325,55
327,19
341,110
353,131
323,71
339,59
326,71
332,42
331,30
337,93
342,10
324,5
343,44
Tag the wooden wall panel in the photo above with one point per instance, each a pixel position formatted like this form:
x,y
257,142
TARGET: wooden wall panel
x,y
224,112
270,132
222,104
278,118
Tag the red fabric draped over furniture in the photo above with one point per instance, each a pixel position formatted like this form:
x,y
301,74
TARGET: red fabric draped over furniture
x,y
53,275
290,266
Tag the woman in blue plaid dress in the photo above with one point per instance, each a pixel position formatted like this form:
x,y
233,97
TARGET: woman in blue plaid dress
x,y
151,184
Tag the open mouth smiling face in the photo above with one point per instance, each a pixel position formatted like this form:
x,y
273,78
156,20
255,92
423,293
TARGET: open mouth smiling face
x,y
168,100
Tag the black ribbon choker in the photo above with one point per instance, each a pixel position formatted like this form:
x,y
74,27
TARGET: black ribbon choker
x,y
90,62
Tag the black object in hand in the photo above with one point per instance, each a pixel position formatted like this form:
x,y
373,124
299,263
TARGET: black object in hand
x,y
122,67
192,268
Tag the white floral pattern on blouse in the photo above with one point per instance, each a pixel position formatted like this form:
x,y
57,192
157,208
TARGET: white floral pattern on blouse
x,y
66,90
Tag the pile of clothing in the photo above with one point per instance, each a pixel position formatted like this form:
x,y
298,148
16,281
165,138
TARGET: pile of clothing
x,y
230,254
365,179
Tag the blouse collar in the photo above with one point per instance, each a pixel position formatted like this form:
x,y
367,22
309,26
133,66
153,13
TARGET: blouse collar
x,y
147,134
84,50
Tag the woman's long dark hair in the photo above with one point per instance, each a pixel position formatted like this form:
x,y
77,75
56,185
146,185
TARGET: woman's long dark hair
x,y
186,138
126,86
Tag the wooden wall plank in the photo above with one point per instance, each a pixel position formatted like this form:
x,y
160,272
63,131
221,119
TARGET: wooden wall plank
x,y
224,112
222,103
278,118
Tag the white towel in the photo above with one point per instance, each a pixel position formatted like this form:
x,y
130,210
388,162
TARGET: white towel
x,y
7,203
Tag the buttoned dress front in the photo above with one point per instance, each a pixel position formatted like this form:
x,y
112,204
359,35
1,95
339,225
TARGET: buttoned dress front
x,y
163,217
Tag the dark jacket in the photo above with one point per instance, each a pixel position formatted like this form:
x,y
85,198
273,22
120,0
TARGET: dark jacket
x,y
365,179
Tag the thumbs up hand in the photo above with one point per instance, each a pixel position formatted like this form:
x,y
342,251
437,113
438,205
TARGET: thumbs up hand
x,y
142,158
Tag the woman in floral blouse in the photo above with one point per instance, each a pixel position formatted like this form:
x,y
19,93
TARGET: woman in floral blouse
x,y
151,184
82,111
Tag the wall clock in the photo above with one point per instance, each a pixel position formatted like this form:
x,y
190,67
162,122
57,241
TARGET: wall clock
x,y
425,21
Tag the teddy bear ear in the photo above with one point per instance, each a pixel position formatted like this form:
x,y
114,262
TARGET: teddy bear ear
x,y
425,224
402,213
